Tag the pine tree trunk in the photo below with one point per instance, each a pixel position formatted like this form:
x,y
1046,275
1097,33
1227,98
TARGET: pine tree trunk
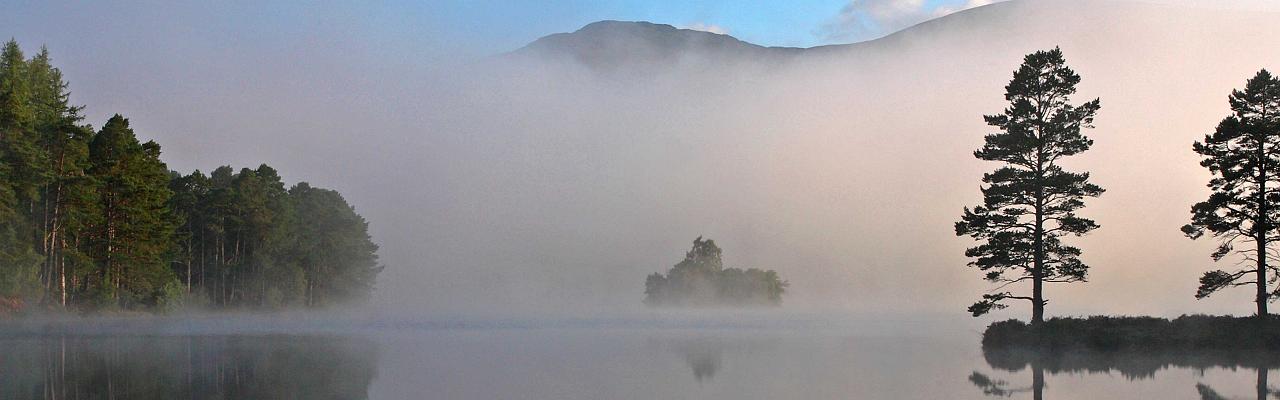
x,y
62,273
190,259
55,248
1263,228
1262,297
1037,272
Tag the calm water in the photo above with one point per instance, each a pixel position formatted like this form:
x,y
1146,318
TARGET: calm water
x,y
596,363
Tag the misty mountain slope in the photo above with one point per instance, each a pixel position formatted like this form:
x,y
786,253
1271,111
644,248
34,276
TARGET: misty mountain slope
x,y
546,185
609,45
632,46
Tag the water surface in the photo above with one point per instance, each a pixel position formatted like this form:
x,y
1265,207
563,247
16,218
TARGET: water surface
x,y
596,361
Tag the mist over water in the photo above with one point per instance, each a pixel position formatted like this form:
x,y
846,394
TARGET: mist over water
x,y
544,184
520,200
555,182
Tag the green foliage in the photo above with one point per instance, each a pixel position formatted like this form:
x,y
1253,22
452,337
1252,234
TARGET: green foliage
x,y
95,220
246,241
333,247
18,174
1030,202
133,233
1243,154
701,280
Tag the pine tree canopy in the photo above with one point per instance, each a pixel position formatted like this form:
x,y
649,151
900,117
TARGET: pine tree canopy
x,y
1030,201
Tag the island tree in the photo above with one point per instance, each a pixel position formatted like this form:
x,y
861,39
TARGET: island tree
x,y
1241,212
702,280
1030,201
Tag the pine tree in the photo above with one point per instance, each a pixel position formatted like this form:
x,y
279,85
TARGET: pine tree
x,y
1030,202
19,263
336,254
63,194
95,218
1243,154
136,228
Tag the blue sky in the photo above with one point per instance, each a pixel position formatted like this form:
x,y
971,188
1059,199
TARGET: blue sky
x,y
800,23
457,28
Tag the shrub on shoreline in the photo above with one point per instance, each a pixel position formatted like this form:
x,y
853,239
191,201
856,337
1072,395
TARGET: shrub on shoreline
x,y
1106,333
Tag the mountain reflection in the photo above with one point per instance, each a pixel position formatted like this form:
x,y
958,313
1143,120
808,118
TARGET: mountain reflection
x,y
1132,365
187,367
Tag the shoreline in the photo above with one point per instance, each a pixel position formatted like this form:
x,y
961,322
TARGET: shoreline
x,y
1128,333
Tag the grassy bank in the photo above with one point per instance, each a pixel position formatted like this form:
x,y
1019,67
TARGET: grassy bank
x,y
1103,333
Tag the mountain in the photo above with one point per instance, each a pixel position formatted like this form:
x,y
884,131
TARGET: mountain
x,y
611,45
579,163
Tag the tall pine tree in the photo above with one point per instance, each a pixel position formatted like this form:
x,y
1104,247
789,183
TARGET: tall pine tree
x,y
136,226
19,155
1030,202
64,195
1243,154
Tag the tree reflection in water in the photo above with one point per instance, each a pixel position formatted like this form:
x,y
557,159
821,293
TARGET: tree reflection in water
x,y
1131,364
187,367
703,354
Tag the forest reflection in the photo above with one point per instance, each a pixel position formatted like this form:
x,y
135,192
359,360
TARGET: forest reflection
x,y
187,367
1132,365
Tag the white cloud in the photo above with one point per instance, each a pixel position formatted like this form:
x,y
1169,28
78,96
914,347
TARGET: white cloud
x,y
867,19
698,26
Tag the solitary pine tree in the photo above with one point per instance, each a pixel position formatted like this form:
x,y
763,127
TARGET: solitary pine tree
x,y
1030,202
1243,154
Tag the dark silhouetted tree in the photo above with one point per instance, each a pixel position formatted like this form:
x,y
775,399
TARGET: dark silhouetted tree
x,y
1242,154
1030,202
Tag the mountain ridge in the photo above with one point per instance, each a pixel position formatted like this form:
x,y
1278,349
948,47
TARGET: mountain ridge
x,y
619,39
614,44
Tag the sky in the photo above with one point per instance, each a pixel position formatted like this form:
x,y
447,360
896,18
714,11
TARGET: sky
x,y
509,186
475,28
799,23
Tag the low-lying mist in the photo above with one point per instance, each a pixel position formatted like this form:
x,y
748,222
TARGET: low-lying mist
x,y
543,183
551,184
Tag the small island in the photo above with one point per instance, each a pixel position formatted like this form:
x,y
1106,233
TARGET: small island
x,y
701,280
1144,334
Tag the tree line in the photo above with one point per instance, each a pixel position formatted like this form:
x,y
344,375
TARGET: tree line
x,y
94,219
1030,202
